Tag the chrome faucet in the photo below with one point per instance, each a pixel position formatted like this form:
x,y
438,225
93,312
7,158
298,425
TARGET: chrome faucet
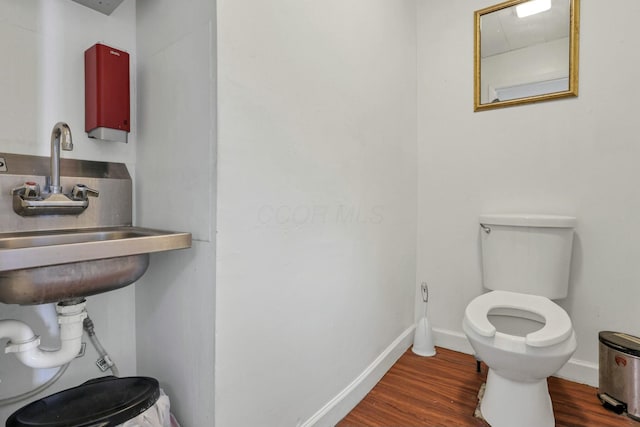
x,y
60,138
28,200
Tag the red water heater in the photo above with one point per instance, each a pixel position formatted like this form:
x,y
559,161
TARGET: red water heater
x,y
106,93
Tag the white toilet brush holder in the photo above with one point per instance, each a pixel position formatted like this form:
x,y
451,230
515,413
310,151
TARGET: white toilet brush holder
x,y
423,337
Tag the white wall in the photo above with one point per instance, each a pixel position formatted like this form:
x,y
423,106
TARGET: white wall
x,y
175,187
41,83
43,73
316,200
574,156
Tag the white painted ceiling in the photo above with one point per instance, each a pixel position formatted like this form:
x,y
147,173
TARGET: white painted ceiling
x,y
502,31
103,6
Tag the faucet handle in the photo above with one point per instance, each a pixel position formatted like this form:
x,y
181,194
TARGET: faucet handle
x,y
82,192
28,190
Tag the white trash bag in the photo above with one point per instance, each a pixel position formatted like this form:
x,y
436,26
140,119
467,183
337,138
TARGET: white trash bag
x,y
159,415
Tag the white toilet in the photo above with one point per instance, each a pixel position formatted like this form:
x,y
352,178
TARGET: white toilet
x,y
516,329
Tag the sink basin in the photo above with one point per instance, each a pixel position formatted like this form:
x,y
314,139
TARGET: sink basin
x,y
39,267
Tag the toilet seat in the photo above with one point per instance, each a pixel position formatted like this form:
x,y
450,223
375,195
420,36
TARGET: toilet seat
x,y
557,327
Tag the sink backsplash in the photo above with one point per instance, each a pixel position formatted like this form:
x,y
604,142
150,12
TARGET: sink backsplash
x,y
112,180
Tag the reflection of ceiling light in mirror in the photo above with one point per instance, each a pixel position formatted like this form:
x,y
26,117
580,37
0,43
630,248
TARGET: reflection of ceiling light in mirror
x,y
532,7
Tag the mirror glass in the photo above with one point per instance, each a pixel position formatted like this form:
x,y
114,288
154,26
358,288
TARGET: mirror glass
x,y
525,51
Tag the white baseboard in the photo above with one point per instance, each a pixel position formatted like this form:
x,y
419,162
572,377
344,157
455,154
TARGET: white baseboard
x,y
580,371
576,370
338,407
452,340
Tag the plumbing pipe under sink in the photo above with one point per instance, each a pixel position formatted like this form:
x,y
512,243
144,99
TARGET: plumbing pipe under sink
x,y
26,345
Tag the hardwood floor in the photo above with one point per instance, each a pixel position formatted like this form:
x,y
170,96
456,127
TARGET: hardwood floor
x,y
442,391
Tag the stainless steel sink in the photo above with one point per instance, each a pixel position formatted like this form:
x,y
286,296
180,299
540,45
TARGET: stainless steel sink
x,y
51,254
38,267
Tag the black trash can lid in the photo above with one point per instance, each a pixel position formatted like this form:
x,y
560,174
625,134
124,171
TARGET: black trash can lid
x,y
108,400
624,343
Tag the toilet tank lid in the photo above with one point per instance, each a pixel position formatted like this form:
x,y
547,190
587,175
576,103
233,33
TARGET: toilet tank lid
x,y
529,220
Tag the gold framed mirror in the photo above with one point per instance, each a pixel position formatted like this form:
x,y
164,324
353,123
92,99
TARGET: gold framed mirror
x,y
525,51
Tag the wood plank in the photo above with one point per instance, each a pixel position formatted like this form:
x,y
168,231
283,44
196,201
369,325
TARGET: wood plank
x,y
442,391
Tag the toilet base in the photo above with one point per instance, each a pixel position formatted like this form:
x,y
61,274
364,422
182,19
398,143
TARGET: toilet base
x,y
508,403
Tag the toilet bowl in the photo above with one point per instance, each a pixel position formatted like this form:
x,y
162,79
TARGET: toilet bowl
x,y
516,329
539,341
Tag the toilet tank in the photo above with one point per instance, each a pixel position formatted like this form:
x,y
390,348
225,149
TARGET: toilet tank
x,y
529,254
